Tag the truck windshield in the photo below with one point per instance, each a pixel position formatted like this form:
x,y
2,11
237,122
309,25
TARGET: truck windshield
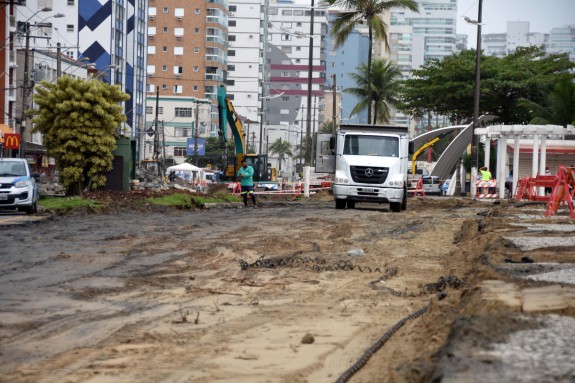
x,y
364,145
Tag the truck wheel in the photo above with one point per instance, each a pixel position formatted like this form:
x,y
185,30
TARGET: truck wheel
x,y
340,204
395,207
404,201
351,204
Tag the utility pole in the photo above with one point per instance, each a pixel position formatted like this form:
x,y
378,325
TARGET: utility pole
x,y
156,155
25,92
58,60
334,103
196,134
308,141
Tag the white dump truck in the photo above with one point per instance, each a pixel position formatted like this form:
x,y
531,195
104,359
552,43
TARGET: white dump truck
x,y
370,164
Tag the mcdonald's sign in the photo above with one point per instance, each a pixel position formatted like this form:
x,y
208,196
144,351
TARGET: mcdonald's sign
x,y
12,141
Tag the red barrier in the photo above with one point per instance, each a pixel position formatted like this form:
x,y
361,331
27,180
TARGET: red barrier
x,y
563,192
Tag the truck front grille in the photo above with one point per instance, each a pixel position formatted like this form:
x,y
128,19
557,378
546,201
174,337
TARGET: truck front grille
x,y
368,174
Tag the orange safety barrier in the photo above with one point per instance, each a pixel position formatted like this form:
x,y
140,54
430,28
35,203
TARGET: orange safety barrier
x,y
546,181
522,189
236,187
483,189
563,192
418,188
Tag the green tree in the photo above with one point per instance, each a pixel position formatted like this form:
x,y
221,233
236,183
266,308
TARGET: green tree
x,y
557,109
282,149
78,120
383,90
357,12
447,87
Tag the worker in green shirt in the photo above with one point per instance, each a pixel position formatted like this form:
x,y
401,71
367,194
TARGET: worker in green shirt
x,y
246,177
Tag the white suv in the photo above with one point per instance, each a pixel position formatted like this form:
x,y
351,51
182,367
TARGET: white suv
x,y
18,188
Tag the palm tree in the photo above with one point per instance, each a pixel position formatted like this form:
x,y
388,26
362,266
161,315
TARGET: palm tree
x,y
558,108
282,149
327,127
384,89
355,13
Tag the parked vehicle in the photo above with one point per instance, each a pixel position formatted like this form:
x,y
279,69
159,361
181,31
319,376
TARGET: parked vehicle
x,y
431,185
369,162
18,187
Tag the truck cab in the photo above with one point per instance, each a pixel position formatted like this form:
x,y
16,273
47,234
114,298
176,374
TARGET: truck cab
x,y
369,163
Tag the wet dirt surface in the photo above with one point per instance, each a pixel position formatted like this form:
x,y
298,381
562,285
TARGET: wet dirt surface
x,y
138,293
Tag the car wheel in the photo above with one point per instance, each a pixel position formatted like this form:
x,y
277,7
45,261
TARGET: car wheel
x,y
351,204
404,200
340,203
395,207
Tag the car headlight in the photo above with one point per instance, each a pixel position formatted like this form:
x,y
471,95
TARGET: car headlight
x,y
22,183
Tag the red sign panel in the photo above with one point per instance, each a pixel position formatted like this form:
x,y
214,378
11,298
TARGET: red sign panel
x,y
12,141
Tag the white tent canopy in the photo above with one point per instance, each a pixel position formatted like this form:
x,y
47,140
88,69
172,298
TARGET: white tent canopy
x,y
185,167
192,173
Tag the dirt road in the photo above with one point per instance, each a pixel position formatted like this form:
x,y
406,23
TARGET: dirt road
x,y
159,295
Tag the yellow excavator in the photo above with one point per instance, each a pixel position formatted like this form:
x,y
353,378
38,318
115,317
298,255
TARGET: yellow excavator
x,y
228,116
423,147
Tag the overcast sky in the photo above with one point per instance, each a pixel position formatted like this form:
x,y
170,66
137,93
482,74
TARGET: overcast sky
x,y
541,14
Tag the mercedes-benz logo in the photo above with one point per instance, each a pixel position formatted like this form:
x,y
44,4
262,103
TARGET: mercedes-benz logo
x,y
368,172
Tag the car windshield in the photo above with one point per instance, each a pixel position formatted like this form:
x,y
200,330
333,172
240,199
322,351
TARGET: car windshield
x,y
8,168
364,145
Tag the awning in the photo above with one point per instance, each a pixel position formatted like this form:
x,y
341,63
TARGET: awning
x,y
5,129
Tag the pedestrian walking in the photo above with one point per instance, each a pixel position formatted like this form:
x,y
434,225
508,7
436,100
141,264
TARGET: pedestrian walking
x,y
246,177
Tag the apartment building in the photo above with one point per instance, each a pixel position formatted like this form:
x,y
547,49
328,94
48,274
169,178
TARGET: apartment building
x,y
247,37
108,35
187,62
344,61
287,59
415,38
562,40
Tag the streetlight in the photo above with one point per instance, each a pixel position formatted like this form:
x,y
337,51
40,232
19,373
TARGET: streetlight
x,y
97,74
474,139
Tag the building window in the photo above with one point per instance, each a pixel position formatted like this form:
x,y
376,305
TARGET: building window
x,y
70,28
231,37
164,86
178,69
183,112
231,23
70,2
196,69
151,88
165,29
151,50
231,52
195,88
233,8
196,50
178,89
160,110
231,82
285,98
179,151
164,49
165,9
149,109
196,30
178,51
197,11
231,68
164,68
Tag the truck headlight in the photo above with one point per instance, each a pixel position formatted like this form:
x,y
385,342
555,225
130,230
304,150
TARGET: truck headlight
x,y
21,184
396,183
341,180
